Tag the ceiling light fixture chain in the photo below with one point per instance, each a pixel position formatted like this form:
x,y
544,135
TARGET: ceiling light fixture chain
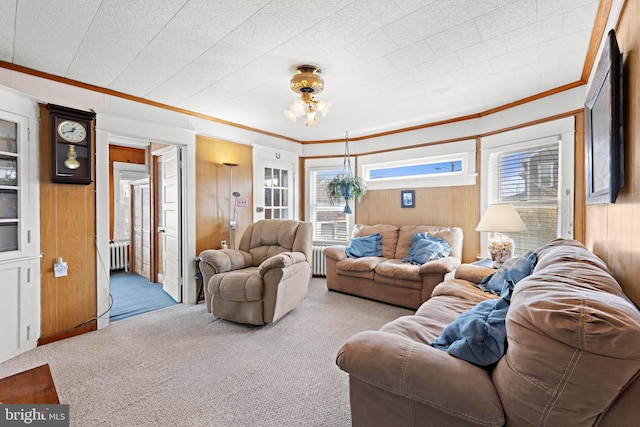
x,y
347,172
308,82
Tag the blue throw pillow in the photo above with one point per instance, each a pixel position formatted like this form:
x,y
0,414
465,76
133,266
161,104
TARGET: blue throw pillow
x,y
479,335
425,248
370,245
514,270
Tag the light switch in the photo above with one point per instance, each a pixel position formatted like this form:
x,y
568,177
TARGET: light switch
x,y
243,202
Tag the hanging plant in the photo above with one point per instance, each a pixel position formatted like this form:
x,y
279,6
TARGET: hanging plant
x,y
346,186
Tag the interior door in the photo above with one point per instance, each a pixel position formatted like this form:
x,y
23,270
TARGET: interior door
x,y
275,199
123,175
170,229
141,224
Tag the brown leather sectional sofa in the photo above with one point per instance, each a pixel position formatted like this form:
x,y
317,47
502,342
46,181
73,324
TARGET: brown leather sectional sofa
x,y
387,278
572,356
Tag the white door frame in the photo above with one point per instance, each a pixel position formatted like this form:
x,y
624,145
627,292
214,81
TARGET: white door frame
x,y
138,133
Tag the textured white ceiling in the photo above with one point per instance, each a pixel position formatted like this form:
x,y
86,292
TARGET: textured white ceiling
x,y
387,64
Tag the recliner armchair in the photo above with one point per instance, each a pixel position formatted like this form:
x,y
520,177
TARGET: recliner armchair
x,y
265,278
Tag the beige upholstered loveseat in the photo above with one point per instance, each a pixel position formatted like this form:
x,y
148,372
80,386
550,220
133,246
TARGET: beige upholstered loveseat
x,y
387,278
265,278
572,358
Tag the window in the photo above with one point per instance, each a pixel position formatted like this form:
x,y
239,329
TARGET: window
x,y
419,168
439,165
532,168
527,175
330,224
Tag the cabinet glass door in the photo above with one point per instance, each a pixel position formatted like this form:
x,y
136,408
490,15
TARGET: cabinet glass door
x,y
9,187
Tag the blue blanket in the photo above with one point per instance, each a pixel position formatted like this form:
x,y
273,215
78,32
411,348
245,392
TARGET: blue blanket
x,y
479,335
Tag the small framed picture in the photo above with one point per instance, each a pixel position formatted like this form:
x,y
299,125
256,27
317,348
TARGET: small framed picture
x,y
408,198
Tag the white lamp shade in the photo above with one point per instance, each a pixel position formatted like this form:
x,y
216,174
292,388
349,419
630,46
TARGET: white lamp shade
x,y
501,218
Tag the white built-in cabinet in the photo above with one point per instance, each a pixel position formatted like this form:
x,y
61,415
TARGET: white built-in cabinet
x,y
19,229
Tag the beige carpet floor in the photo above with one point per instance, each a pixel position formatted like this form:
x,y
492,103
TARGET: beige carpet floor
x,y
180,366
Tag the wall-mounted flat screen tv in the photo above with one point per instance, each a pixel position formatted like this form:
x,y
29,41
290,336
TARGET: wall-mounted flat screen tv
x,y
604,122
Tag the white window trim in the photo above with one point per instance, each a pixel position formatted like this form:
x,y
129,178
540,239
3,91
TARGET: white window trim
x,y
461,150
531,136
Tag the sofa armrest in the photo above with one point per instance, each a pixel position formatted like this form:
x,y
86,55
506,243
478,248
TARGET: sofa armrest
x,y
441,265
282,260
423,374
336,252
216,261
473,273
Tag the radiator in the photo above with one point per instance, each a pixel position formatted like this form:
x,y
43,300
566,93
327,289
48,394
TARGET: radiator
x,y
119,255
319,261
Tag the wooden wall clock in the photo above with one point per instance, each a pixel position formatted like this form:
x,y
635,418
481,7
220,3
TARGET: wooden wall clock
x,y
71,136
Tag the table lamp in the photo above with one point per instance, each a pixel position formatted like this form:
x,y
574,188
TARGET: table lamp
x,y
501,218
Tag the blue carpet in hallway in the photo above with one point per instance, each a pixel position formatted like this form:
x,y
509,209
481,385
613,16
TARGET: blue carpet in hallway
x,y
133,294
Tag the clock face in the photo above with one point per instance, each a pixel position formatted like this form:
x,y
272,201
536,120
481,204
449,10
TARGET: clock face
x,y
72,131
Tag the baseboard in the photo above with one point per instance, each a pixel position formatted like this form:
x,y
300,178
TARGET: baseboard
x,y
91,326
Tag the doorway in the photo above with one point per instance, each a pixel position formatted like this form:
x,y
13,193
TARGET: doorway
x,y
118,131
139,194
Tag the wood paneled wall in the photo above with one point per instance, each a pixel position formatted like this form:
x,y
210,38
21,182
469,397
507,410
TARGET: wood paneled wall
x,y
445,206
68,229
212,190
122,155
613,230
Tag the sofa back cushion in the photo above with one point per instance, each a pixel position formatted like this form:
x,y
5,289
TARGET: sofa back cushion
x,y
388,232
451,235
573,341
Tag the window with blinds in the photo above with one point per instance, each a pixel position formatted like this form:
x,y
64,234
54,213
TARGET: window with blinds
x,y
330,224
526,175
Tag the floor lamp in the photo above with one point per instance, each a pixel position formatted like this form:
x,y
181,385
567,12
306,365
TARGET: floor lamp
x,y
232,221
